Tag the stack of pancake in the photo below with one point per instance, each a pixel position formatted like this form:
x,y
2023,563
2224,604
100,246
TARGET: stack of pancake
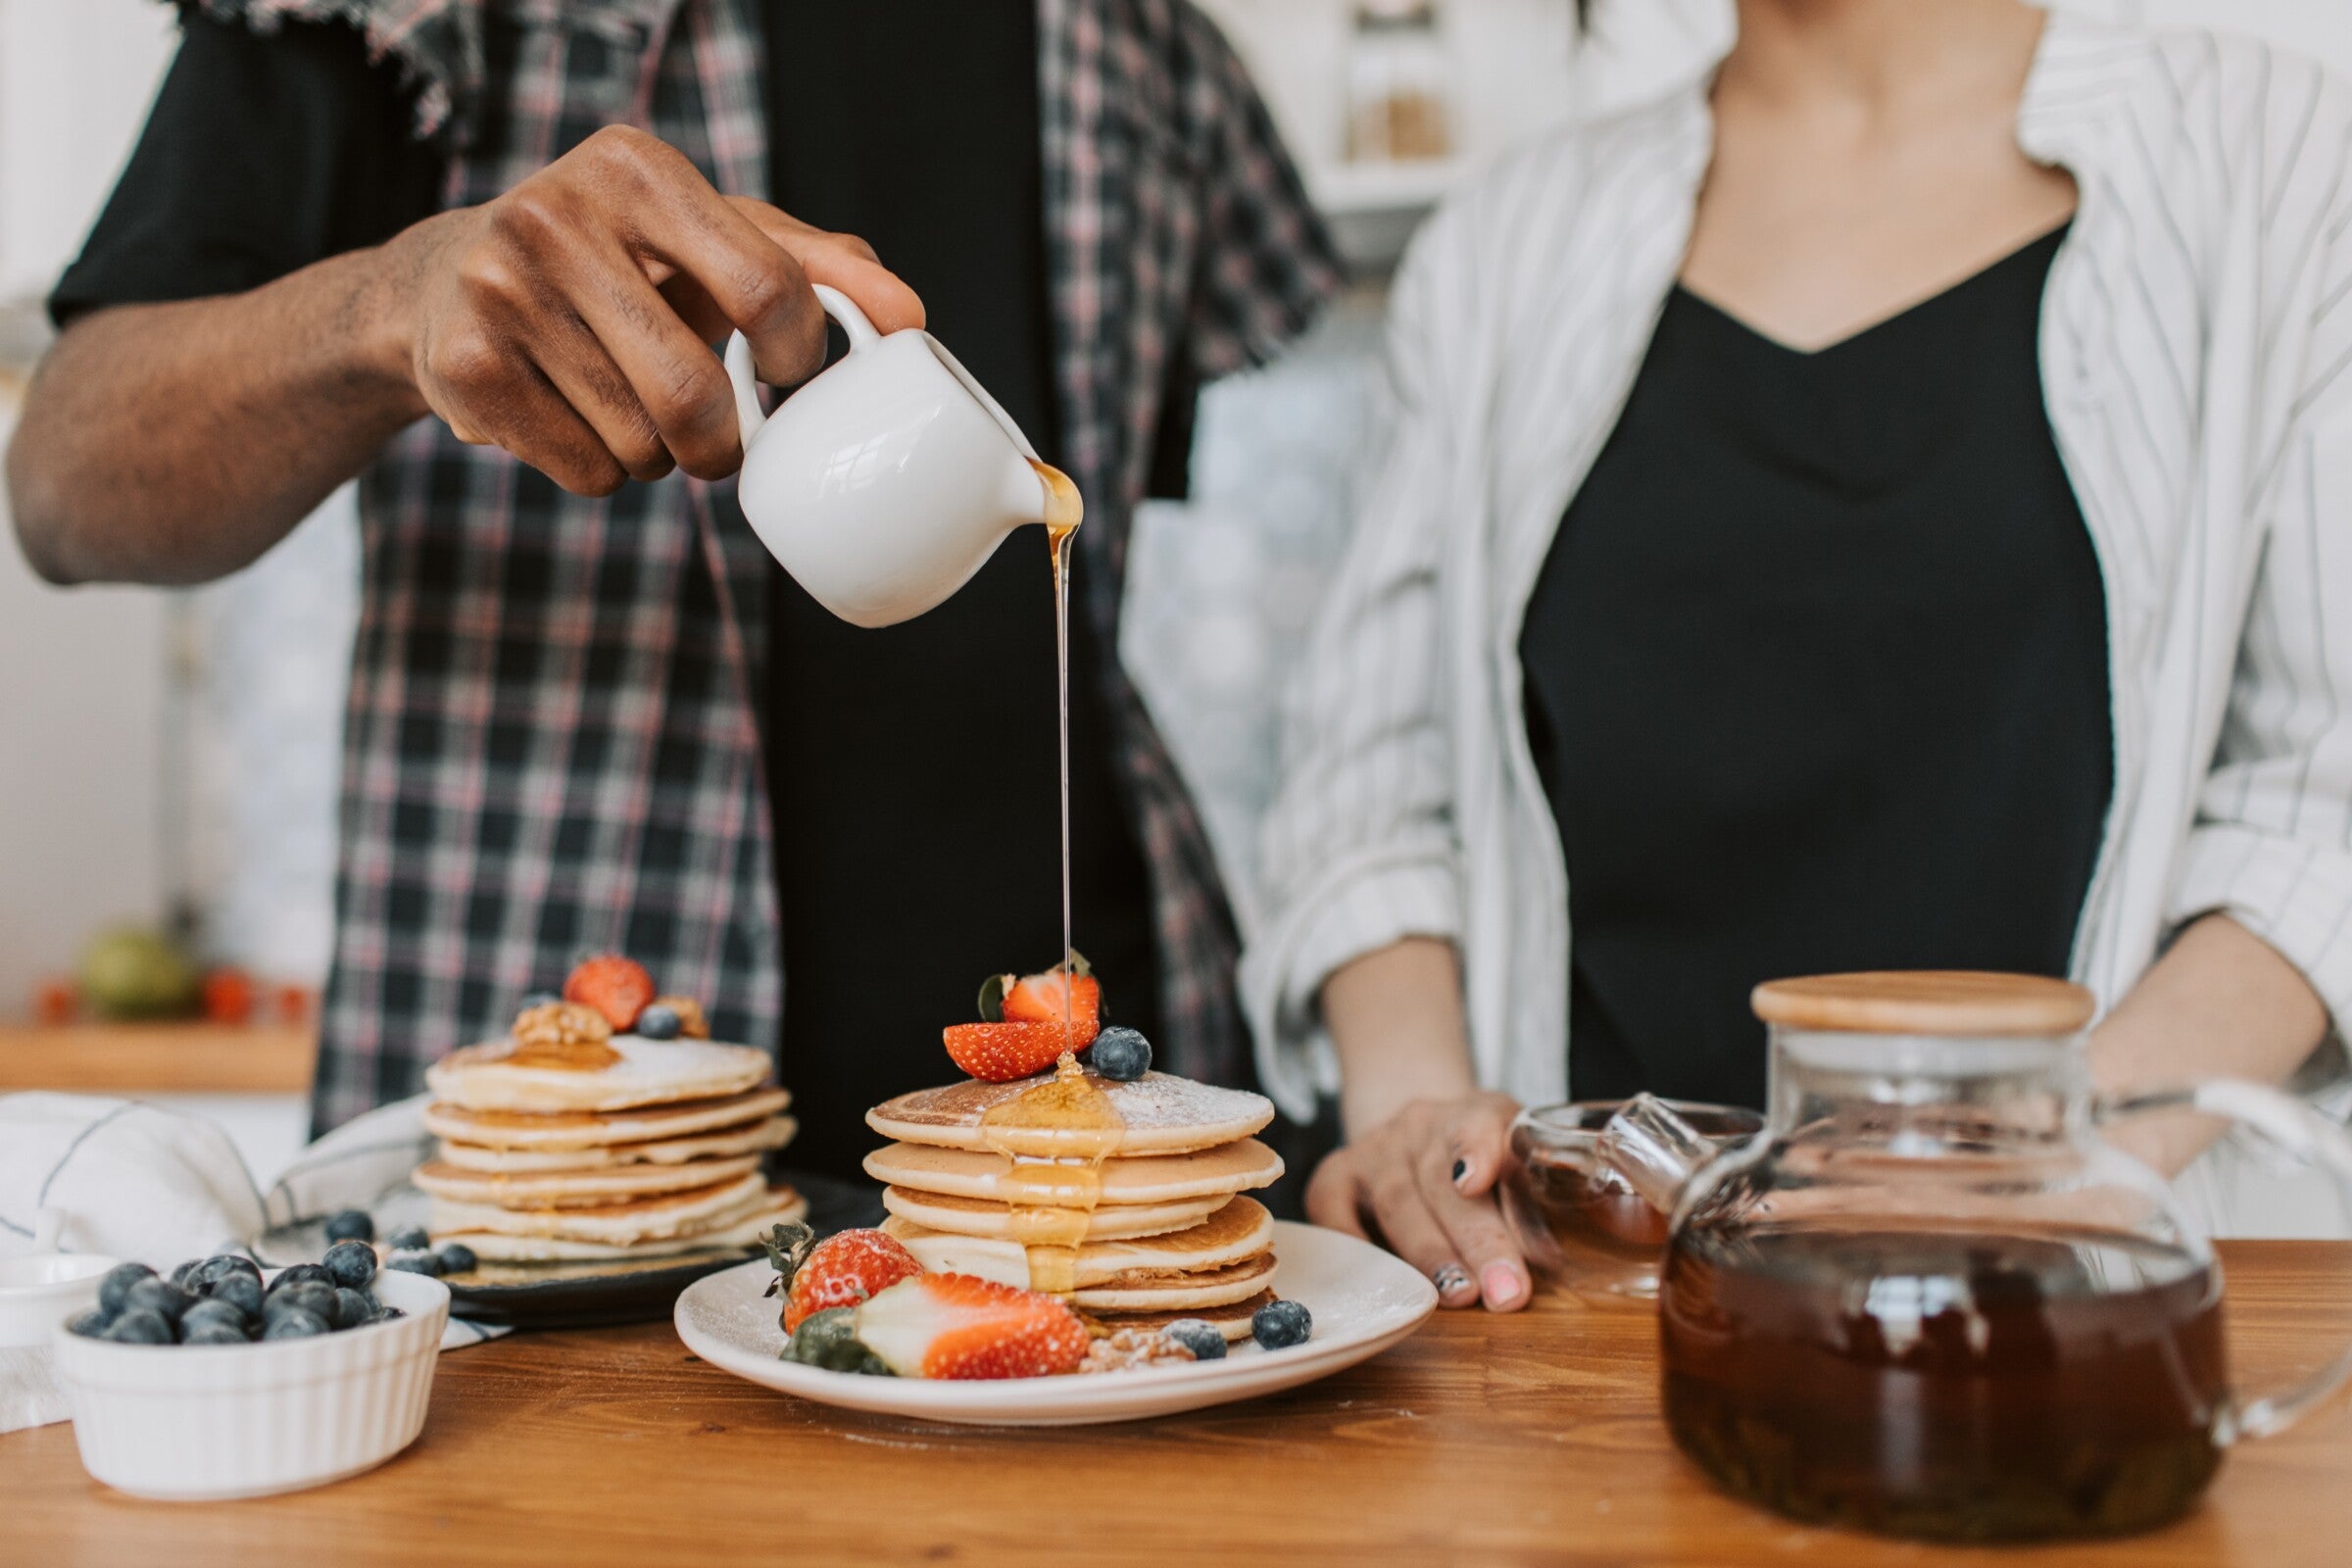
x,y
1155,1232
653,1152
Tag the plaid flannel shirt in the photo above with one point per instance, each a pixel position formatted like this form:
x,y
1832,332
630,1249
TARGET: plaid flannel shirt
x,y
552,738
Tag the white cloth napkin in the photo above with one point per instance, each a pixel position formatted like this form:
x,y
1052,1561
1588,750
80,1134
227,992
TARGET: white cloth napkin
x,y
82,1173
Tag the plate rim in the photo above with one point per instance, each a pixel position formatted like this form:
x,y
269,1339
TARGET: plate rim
x,y
1217,1383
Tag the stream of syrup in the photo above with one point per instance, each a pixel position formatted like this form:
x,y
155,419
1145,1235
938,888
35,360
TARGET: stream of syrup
x,y
1064,510
1056,1135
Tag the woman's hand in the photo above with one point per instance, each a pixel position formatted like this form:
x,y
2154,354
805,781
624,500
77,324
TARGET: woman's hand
x,y
1424,1181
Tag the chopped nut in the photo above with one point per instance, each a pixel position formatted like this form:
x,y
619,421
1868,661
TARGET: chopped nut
x,y
1129,1350
692,1025
555,1024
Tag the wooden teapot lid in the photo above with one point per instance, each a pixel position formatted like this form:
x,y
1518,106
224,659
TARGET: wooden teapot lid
x,y
1927,1002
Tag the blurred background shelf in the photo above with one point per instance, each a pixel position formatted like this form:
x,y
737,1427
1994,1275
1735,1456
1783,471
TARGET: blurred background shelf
x,y
158,1058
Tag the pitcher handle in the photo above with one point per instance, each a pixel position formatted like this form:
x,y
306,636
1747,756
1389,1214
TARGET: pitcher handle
x,y
748,416
2313,1142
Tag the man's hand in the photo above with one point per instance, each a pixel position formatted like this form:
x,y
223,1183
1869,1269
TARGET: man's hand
x,y
571,320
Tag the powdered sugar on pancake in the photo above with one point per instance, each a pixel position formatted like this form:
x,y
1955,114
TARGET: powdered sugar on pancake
x,y
649,1072
1159,1110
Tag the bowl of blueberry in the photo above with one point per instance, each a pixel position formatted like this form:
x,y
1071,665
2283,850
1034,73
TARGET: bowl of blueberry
x,y
220,1379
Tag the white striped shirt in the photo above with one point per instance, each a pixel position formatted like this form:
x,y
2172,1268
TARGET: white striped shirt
x,y
2196,330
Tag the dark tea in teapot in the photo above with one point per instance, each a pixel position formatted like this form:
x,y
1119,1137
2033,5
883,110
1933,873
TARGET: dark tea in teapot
x,y
1954,1386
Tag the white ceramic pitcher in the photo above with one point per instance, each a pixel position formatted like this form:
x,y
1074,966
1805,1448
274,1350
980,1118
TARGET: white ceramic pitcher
x,y
886,481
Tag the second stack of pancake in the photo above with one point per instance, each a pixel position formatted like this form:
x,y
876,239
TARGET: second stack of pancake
x,y
651,1154
1155,1230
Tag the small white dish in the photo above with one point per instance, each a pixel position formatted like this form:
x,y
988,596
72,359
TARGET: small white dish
x,y
1363,1301
40,1292
209,1422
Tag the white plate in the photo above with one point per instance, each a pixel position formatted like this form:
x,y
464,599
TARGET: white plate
x,y
1363,1301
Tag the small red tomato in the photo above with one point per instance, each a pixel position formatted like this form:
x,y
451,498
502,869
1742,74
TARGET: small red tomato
x,y
228,995
56,999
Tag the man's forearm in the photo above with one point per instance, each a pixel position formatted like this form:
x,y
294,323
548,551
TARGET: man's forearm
x,y
174,443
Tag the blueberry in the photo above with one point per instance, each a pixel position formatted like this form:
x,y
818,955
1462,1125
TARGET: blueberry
x,y
306,1296
414,1261
139,1326
1279,1325
355,1307
295,1323
408,1239
350,1265
240,1290
660,1022
89,1325
118,1283
351,1225
1198,1336
163,1298
179,1275
205,1279
456,1258
215,1332
1120,1054
300,1274
537,999
211,1309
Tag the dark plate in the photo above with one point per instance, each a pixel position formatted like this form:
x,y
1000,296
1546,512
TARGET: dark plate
x,y
583,1294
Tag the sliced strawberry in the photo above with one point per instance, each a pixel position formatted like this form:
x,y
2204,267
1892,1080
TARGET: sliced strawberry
x,y
960,1326
1051,997
1003,1052
841,1270
615,986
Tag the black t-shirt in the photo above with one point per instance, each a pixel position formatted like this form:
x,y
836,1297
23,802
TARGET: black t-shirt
x,y
913,770
1817,678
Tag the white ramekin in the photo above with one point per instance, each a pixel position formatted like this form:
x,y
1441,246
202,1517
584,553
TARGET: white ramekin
x,y
205,1422
41,1290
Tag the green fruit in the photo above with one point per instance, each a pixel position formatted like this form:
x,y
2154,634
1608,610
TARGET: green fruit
x,y
829,1340
131,973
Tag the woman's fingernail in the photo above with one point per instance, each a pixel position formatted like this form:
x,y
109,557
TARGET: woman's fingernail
x,y
1502,1284
1452,1279
1461,1168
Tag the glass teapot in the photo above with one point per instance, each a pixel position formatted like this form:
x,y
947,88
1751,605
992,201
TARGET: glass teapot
x,y
1931,1297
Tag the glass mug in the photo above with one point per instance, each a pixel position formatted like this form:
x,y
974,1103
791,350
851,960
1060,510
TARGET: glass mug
x,y
1582,1224
1933,1299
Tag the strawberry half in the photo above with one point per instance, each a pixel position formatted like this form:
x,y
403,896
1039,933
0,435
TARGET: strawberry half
x,y
615,986
1041,998
841,1270
1003,1052
960,1326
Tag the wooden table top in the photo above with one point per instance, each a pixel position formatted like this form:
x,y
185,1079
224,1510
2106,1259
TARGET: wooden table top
x,y
158,1058
1525,1438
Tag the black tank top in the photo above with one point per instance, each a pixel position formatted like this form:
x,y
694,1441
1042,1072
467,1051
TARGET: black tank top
x,y
1816,678
913,770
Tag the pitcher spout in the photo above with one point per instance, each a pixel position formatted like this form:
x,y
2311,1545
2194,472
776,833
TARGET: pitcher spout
x,y
1022,493
1654,1149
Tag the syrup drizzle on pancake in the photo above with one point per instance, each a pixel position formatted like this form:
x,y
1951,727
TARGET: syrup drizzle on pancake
x,y
1052,1195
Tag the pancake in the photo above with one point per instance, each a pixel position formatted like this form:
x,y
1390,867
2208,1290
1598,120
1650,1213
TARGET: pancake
x,y
650,1072
637,1219
977,1217
1150,1179
1237,1233
1181,1295
576,1188
756,1139
588,1129
1231,1320
1163,1115
783,1205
